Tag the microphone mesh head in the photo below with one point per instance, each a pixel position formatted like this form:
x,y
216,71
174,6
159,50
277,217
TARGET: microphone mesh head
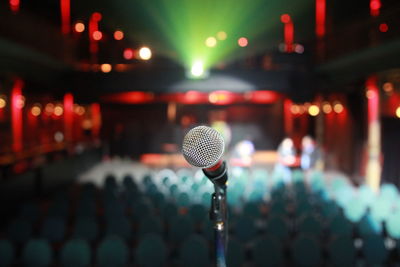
x,y
203,146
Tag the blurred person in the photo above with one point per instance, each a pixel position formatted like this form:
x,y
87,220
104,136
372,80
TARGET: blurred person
x,y
310,154
286,158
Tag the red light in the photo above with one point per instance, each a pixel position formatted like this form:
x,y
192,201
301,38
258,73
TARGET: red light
x,y
383,27
118,35
97,35
243,42
14,5
285,18
96,16
263,97
128,53
374,5
320,15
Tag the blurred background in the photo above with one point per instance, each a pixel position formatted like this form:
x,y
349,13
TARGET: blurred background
x,y
96,97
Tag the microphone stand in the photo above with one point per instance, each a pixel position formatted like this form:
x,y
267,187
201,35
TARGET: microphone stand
x,y
219,214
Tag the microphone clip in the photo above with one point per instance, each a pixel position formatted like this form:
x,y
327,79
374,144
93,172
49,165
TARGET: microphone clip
x,y
218,176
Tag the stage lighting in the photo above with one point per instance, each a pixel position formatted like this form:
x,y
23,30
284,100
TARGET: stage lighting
x,y
145,53
58,110
222,35
36,110
197,70
3,102
79,27
106,68
118,35
398,112
97,35
326,107
338,107
243,42
211,42
313,110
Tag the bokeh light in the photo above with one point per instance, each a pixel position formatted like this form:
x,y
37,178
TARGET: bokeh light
x,y
3,102
285,18
383,27
295,109
49,109
211,41
338,107
145,53
97,35
222,35
128,53
58,110
20,102
36,110
243,42
313,110
106,68
388,87
326,108
118,35
197,69
398,112
79,27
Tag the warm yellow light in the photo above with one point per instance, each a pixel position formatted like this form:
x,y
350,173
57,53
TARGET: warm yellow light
x,y
313,110
369,94
145,53
211,41
222,35
326,108
58,110
20,102
106,68
295,109
3,102
79,27
398,112
49,108
36,110
388,87
337,107
79,110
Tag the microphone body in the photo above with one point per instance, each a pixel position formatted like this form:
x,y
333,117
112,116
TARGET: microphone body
x,y
217,173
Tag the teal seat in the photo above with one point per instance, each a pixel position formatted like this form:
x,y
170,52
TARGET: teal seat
x,y
342,252
381,208
245,229
37,253
7,253
169,211
119,226
150,224
393,225
278,227
29,212
268,251
180,228
86,228
340,226
53,229
251,210
112,251
151,251
310,225
355,209
369,226
198,213
306,251
19,231
75,253
194,252
235,255
183,199
374,250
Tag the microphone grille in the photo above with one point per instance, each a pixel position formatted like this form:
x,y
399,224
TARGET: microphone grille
x,y
203,146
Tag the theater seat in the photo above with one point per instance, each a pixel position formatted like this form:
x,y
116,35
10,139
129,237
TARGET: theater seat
x,y
268,251
37,253
19,231
342,251
112,251
75,253
306,251
7,253
194,252
151,251
235,256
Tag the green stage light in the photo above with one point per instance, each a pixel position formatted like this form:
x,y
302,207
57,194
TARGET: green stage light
x,y
197,69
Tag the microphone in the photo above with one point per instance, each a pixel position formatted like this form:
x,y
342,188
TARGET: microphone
x,y
203,147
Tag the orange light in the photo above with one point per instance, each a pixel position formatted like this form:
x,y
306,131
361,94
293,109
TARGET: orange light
x,y
326,108
49,108
79,27
128,53
118,35
243,42
97,35
398,112
106,68
295,109
221,97
313,110
285,18
36,110
58,110
79,110
3,102
338,108
388,87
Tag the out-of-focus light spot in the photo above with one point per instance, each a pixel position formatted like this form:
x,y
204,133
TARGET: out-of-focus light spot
x,y
14,5
302,109
36,110
87,124
20,102
326,108
145,53
299,49
285,18
211,42
58,110
128,53
79,27
79,110
220,97
97,16
97,35
338,107
375,5
222,35
383,27
49,108
388,87
243,42
398,112
313,110
106,68
295,109
59,137
370,94
118,35
3,102
197,69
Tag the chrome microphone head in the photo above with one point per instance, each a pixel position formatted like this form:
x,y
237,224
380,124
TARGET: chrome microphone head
x,y
203,147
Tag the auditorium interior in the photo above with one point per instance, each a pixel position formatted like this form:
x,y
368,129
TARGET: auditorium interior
x,y
98,101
